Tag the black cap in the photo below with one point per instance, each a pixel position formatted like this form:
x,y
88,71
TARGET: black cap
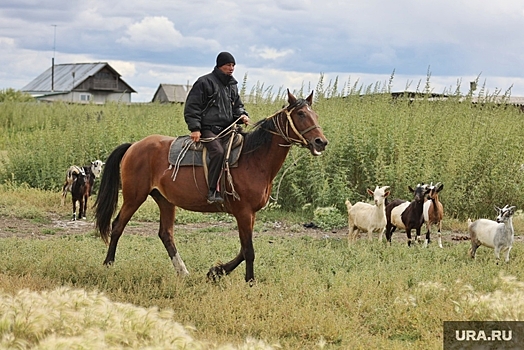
x,y
225,58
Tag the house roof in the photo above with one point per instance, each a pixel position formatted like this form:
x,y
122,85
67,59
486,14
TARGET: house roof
x,y
64,79
172,92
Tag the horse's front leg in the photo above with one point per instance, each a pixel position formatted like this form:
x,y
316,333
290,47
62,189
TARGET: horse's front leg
x,y
247,252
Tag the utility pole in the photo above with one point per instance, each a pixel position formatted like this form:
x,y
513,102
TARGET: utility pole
x,y
53,61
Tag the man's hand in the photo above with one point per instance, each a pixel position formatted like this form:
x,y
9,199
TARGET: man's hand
x,y
195,135
244,118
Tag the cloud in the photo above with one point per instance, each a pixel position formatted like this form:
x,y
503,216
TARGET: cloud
x,y
160,35
269,53
125,68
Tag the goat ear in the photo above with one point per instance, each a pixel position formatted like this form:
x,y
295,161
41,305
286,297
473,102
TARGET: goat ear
x,y
439,186
386,194
370,192
410,189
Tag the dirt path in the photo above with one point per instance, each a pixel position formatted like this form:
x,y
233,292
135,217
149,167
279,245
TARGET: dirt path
x,y
26,228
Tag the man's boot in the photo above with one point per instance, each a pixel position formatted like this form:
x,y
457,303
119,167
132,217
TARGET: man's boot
x,y
214,197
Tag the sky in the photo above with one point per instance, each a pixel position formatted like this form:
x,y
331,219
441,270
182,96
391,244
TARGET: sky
x,y
276,43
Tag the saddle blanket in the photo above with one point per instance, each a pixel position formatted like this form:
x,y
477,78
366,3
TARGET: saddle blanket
x,y
184,152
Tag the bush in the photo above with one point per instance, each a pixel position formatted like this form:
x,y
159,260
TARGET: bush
x,y
13,95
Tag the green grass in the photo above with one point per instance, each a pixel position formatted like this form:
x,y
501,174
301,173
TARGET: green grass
x,y
474,149
307,291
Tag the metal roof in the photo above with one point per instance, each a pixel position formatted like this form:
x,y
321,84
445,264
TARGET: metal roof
x,y
66,76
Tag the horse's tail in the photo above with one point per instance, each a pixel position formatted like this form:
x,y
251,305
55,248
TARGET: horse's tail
x,y
107,199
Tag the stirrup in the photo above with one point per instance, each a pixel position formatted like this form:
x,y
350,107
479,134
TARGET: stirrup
x,y
214,197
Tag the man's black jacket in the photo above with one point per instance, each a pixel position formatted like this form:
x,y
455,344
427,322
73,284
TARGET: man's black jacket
x,y
213,101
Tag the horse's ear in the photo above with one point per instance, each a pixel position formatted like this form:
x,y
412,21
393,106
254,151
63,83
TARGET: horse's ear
x,y
309,99
290,98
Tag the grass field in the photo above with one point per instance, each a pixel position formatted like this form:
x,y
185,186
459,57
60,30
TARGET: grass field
x,y
310,292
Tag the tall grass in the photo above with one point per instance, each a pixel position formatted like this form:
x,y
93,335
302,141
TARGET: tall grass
x,y
374,140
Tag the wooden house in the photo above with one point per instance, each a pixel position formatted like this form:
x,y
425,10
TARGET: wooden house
x,y
171,93
80,83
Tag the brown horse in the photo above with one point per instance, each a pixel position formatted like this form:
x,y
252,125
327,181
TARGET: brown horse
x,y
142,170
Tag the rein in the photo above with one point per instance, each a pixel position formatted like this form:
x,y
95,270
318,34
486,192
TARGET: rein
x,y
283,130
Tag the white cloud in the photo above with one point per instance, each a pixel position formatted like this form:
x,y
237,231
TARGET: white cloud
x,y
155,33
269,53
159,34
125,68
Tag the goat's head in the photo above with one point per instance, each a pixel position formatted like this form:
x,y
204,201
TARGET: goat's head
x,y
96,167
434,190
505,213
419,192
380,194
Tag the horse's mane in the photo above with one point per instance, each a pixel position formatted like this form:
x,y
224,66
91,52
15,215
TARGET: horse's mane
x,y
264,130
260,137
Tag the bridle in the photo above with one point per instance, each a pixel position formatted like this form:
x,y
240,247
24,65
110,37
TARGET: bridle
x,y
282,129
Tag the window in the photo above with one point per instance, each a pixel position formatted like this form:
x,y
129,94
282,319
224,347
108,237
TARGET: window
x,y
85,97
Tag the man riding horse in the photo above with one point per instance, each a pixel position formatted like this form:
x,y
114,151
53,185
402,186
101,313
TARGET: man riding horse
x,y
212,105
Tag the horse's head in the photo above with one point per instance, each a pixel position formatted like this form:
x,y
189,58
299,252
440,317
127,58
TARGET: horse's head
x,y
303,128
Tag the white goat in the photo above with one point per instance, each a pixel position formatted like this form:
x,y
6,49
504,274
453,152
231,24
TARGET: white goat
x,y
366,217
493,234
433,212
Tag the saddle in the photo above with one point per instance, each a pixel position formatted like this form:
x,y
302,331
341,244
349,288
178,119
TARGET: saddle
x,y
184,152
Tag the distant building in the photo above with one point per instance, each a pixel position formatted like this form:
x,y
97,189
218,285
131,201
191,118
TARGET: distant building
x,y
81,83
171,93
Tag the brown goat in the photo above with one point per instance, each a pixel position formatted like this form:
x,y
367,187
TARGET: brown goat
x,y
433,212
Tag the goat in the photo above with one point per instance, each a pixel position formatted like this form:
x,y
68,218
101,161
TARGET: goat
x,y
406,215
80,182
366,217
493,234
73,173
80,192
433,212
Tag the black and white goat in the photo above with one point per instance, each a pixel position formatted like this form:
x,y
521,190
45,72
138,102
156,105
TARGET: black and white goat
x,y
406,215
79,181
497,235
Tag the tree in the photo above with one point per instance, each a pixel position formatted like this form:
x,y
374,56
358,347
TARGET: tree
x,y
13,95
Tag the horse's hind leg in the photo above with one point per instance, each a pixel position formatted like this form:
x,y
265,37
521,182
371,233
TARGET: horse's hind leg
x,y
247,252
165,232
118,225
